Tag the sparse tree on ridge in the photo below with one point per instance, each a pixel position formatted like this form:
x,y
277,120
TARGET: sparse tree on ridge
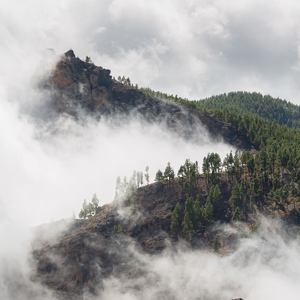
x,y
169,173
88,60
147,174
95,201
180,175
159,176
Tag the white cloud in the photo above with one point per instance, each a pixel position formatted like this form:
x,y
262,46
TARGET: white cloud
x,y
265,266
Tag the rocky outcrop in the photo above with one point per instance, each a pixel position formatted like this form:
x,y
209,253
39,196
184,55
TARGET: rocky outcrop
x,y
94,249
80,86
105,245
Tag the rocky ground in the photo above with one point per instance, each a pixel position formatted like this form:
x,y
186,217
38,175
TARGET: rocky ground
x,y
79,86
92,250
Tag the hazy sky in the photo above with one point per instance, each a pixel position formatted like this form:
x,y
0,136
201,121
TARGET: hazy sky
x,y
192,48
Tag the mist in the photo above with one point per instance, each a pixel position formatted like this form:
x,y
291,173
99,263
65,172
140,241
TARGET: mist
x,y
58,163
264,266
51,163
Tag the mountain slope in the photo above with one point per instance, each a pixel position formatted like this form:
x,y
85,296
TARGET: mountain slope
x,y
174,213
79,87
276,110
93,250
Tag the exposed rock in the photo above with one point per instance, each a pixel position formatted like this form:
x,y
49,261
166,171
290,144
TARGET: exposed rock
x,y
79,85
93,249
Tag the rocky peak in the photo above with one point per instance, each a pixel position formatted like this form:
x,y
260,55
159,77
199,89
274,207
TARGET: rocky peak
x,y
80,86
70,53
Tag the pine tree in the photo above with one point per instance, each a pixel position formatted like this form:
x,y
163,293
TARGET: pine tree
x,y
235,197
84,211
180,175
159,176
217,194
169,173
175,218
147,175
189,215
95,201
197,209
236,215
187,223
189,208
209,211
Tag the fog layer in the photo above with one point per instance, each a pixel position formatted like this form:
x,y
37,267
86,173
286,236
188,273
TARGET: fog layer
x,y
265,266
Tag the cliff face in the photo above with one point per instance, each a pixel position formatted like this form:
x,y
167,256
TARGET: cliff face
x,y
78,85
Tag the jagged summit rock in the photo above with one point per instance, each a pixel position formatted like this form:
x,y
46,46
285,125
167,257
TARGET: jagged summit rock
x,y
70,53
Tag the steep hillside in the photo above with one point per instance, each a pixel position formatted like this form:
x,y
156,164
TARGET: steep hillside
x,y
104,245
79,86
187,211
276,110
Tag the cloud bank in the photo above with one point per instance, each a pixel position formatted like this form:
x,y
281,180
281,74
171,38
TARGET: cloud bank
x,y
265,266
190,48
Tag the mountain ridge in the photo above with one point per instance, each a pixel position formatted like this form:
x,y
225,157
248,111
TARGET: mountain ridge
x,y
69,264
177,211
77,85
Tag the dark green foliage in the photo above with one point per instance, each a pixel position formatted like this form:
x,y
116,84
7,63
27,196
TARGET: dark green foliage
x,y
216,243
175,218
169,173
217,194
88,60
211,167
255,178
277,110
235,197
126,81
209,211
180,175
89,209
159,176
147,174
228,163
187,223
197,209
190,213
236,215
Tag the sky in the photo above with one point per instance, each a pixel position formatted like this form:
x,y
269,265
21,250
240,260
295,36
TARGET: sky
x,y
192,48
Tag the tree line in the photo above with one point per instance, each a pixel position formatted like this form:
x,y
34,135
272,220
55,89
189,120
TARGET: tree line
x,y
263,180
